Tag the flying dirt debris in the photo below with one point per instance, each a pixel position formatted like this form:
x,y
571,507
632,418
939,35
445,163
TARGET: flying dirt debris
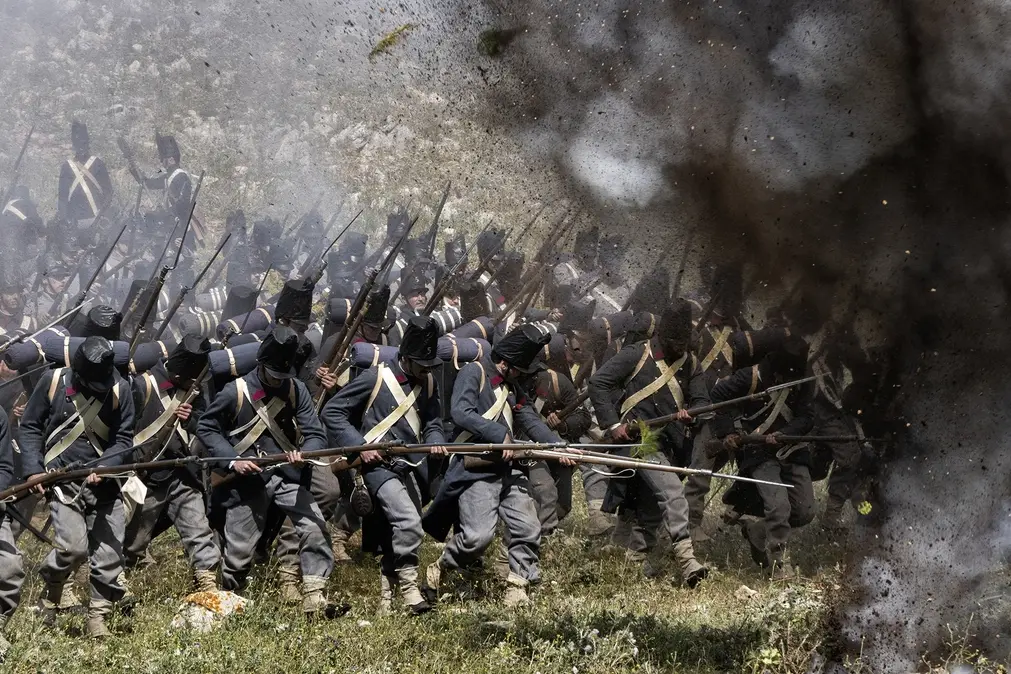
x,y
624,336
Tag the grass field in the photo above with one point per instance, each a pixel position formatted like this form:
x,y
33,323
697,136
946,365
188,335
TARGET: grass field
x,y
594,613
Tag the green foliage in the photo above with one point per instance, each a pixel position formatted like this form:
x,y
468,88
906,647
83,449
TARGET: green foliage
x,y
389,40
649,443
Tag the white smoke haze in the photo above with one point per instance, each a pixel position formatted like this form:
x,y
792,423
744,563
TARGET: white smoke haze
x,y
859,146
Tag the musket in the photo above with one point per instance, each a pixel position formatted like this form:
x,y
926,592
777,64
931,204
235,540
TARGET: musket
x,y
521,310
433,231
217,273
128,314
22,375
554,236
131,160
483,267
159,282
676,291
79,302
181,295
574,405
357,314
23,338
528,288
443,286
754,438
713,407
165,435
17,168
318,274
603,459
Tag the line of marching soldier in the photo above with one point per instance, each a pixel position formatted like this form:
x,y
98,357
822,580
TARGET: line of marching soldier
x,y
492,350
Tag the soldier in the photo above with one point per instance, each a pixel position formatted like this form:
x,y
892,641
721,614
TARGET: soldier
x,y
85,187
415,292
344,266
648,379
489,404
787,412
394,401
266,412
455,251
172,181
14,314
12,570
489,251
160,400
611,293
550,482
293,310
83,414
21,218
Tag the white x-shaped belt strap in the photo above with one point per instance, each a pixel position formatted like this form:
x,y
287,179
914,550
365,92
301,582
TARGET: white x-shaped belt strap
x,y
82,177
263,421
405,408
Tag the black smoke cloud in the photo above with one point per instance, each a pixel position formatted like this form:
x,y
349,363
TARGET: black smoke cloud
x,y
859,148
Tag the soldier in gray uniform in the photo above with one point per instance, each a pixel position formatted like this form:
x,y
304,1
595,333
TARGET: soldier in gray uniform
x,y
399,401
269,412
83,413
490,404
648,379
159,398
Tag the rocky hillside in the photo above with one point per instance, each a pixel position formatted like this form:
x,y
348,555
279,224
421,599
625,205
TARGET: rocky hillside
x,y
278,102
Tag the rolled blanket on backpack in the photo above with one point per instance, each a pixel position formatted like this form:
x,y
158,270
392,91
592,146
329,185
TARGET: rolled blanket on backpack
x,y
60,349
233,362
147,356
202,324
212,301
479,328
259,319
30,352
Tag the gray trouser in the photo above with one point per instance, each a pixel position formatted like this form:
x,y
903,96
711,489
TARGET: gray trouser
x,y
481,505
551,487
12,570
784,508
697,486
244,523
404,517
326,492
660,501
594,484
88,529
845,455
185,508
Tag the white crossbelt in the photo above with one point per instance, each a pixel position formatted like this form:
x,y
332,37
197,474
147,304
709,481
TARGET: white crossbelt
x,y
86,411
263,421
405,408
498,408
82,174
666,378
